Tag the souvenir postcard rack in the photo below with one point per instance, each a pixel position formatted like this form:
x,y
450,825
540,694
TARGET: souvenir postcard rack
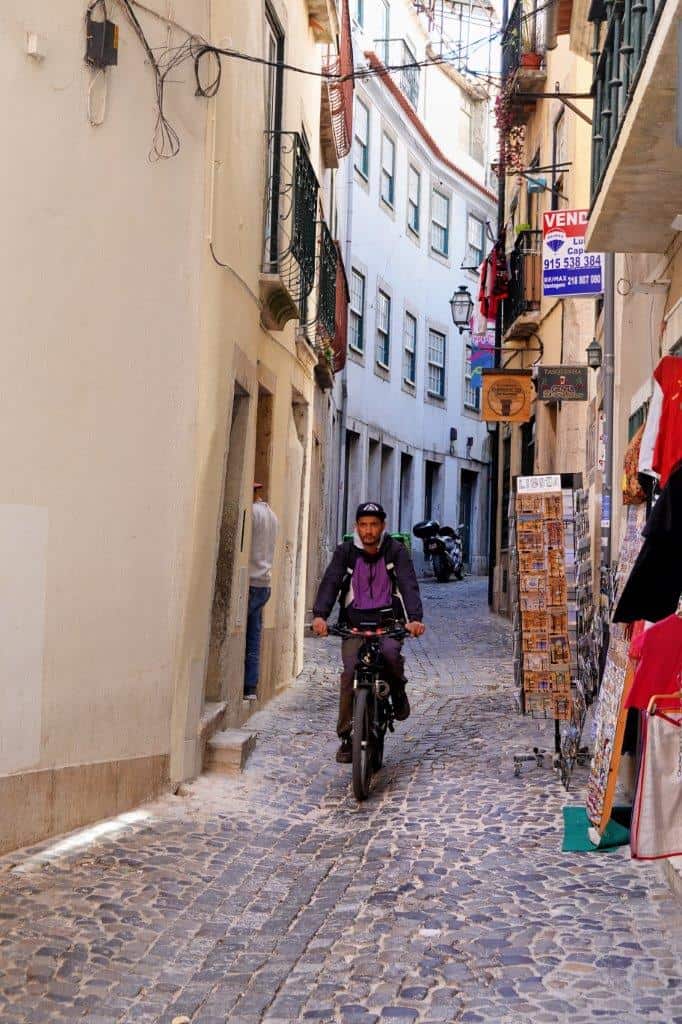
x,y
555,656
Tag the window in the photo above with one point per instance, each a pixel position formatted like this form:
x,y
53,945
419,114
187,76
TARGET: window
x,y
472,129
435,371
475,235
410,349
385,32
440,223
472,395
409,75
414,187
359,12
274,49
361,138
383,328
357,311
387,169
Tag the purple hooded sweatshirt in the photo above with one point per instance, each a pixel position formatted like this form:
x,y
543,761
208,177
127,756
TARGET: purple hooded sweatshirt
x,y
371,584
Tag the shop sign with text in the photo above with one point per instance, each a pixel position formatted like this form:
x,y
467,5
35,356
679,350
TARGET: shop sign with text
x,y
562,383
567,270
507,396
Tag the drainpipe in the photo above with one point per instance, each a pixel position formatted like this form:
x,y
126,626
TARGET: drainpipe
x,y
608,385
343,412
495,438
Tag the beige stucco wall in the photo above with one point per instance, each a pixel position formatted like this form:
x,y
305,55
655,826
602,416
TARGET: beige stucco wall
x,y
123,341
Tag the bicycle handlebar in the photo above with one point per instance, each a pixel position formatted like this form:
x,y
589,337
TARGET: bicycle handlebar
x,y
354,633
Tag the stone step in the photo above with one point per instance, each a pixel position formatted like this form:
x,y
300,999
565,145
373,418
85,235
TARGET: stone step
x,y
228,751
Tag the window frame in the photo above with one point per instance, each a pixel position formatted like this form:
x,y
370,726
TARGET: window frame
x,y
384,174
383,333
472,396
359,13
443,253
430,363
471,261
410,355
358,140
358,313
411,169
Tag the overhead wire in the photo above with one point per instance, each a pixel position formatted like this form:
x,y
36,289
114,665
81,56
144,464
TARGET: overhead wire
x,y
164,60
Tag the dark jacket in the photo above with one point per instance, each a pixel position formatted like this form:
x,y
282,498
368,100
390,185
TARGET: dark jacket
x,y
335,577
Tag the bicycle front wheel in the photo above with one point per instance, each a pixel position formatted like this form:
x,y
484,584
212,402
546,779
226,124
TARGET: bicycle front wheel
x,y
362,744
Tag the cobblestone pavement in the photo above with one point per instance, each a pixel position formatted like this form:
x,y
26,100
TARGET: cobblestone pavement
x,y
274,897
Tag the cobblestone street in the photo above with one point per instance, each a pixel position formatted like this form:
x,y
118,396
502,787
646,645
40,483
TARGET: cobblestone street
x,y
275,897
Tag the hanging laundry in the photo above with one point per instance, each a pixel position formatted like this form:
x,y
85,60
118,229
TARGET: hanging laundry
x,y
658,653
494,281
668,450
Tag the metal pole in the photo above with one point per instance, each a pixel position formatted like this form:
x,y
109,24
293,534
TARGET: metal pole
x,y
495,438
609,381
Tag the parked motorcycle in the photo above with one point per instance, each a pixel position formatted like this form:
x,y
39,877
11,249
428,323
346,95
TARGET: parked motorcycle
x,y
443,545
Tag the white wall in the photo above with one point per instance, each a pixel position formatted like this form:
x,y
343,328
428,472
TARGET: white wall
x,y
381,407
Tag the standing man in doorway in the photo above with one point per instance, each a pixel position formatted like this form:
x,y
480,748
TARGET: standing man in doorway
x,y
263,539
369,574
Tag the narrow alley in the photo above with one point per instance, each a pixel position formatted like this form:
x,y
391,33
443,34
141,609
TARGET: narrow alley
x,y
275,897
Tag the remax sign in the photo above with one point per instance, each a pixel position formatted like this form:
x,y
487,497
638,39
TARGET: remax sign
x,y
567,270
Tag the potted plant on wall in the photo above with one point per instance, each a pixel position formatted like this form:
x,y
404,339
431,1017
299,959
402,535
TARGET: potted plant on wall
x,y
529,56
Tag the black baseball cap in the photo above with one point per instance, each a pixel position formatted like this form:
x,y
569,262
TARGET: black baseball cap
x,y
370,508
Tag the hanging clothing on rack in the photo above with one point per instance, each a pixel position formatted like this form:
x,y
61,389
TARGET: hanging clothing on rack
x,y
653,422
633,494
657,815
668,450
658,653
653,589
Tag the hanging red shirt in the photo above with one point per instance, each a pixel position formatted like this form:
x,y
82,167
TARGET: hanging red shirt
x,y
668,450
658,652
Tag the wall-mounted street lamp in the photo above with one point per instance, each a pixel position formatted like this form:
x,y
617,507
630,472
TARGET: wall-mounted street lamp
x,y
461,307
594,354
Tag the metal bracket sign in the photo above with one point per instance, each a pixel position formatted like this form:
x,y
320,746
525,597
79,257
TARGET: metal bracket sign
x,y
567,270
562,383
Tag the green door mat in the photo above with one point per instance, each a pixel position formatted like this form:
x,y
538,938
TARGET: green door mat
x,y
576,840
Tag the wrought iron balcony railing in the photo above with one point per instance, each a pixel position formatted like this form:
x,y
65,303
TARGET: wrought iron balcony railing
x,y
523,39
326,304
525,285
290,227
396,55
630,26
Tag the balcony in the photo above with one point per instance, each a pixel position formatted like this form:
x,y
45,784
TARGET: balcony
x,y
289,252
521,313
523,51
336,102
399,58
331,321
636,164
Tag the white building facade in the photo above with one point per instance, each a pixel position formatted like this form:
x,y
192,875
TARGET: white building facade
x,y
419,207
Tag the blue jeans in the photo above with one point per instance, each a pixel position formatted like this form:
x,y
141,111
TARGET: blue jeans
x,y
258,598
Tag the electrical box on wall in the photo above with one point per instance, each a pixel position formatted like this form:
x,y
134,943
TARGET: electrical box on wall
x,y
101,49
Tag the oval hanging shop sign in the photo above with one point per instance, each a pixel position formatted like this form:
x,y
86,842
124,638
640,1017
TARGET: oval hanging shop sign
x,y
567,270
562,383
507,396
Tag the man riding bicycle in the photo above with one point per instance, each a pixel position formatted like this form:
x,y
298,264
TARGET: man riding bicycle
x,y
373,577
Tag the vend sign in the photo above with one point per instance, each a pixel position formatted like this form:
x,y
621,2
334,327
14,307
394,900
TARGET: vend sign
x,y
567,270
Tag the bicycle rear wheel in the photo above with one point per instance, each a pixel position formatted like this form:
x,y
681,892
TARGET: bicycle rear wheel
x,y
362,744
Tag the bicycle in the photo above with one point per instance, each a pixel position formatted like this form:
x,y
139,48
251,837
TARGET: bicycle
x,y
372,709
